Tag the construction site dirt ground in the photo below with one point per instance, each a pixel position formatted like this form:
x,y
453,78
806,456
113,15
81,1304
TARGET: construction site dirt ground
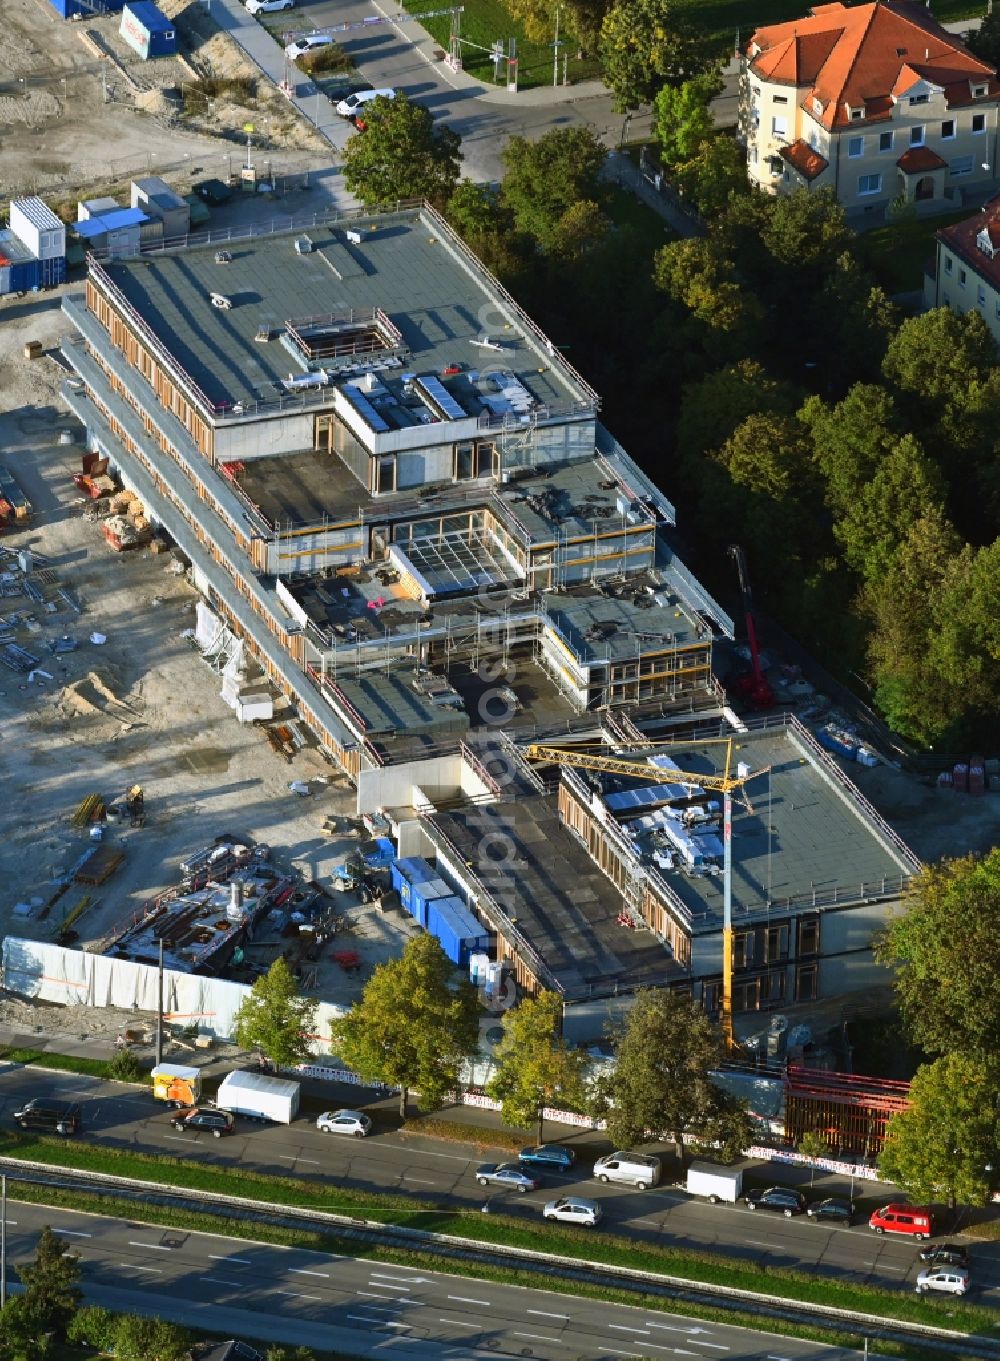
x,y
69,119
143,707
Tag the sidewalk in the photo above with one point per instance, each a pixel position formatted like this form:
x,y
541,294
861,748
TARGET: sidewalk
x,y
621,169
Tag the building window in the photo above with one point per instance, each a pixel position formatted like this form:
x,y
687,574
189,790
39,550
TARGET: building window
x,y
978,122
809,936
806,979
916,136
869,184
465,461
385,473
856,114
961,165
981,296
778,127
856,147
961,278
742,949
978,91
948,262
919,99
885,141
779,99
948,129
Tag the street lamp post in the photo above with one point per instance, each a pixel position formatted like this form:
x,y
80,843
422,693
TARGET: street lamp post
x,y
555,51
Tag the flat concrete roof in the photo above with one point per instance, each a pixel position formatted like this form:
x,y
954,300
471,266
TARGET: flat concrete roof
x,y
405,264
561,902
807,834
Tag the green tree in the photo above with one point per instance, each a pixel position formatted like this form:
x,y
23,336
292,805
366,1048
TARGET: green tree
x,y
850,440
713,407
944,1143
682,117
984,42
275,1019
578,19
290,1354
51,1282
964,645
698,274
660,1084
714,173
150,1339
475,210
25,1334
646,44
813,1145
94,1327
536,1067
944,949
935,356
401,154
414,1025
580,230
901,489
544,179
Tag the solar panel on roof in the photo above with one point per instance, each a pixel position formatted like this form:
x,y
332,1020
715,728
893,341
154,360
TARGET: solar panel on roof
x,y
365,409
440,397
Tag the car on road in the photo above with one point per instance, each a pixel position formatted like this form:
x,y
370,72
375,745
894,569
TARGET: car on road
x,y
354,103
301,46
53,1117
916,1221
948,1280
781,1199
834,1207
207,1118
573,1210
508,1174
268,6
945,1254
344,1122
548,1155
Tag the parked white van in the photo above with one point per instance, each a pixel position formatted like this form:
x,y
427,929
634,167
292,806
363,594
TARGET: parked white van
x,y
641,1170
353,104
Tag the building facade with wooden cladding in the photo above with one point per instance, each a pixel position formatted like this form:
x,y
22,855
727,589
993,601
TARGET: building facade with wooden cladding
x,y
376,462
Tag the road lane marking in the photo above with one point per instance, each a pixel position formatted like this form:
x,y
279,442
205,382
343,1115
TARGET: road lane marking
x,y
385,1301
756,1243
541,1313
464,1299
217,1280
390,1324
379,1285
622,1328
398,1267
539,1337
155,1269
295,1158
244,1261
428,1153
295,1295
458,1322
66,1233
177,1138
156,1247
384,1276
422,1180
304,1271
716,1346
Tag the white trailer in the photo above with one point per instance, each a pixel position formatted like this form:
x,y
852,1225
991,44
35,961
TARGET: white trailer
x,y
715,1183
259,1096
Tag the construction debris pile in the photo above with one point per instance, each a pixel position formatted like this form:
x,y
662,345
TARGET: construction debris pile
x,y
27,576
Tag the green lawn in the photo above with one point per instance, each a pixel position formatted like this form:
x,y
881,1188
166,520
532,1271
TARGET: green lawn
x,y
485,22
897,253
625,210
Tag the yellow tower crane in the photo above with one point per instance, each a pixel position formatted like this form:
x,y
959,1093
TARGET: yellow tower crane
x,y
581,758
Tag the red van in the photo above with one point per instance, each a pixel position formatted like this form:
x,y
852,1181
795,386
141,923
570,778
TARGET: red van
x,y
915,1220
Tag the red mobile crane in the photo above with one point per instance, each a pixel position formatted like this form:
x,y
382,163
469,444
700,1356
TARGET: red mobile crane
x,y
753,686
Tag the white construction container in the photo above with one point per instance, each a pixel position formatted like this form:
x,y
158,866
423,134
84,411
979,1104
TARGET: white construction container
x,y
34,223
259,1096
715,1183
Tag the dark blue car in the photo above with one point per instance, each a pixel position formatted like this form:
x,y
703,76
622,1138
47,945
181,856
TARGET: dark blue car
x,y
548,1155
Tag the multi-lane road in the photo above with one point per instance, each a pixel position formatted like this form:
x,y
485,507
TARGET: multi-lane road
x,y
365,1308
443,1173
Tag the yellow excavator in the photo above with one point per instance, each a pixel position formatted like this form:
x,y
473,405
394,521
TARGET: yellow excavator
x,y
583,758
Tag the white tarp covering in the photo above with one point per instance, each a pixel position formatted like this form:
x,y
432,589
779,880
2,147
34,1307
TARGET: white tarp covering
x,y
54,973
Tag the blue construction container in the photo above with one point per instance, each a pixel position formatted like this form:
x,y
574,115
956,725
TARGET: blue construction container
x,y
460,934
53,272
423,894
407,872
147,31
25,275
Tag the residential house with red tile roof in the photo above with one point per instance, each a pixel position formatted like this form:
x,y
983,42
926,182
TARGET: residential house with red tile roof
x,y
874,101
966,269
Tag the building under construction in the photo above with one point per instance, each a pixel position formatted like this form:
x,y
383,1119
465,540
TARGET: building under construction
x,y
852,1113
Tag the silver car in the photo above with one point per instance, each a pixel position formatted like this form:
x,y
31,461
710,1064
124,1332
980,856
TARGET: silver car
x,y
344,1122
949,1280
573,1210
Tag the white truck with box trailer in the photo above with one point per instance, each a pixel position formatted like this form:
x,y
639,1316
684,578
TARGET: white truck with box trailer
x,y
715,1183
259,1096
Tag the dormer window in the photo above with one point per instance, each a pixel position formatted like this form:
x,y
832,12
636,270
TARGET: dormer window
x,y
985,244
978,91
919,98
854,114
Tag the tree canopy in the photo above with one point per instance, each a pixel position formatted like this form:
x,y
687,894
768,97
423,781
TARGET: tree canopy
x,y
660,1085
275,1019
546,179
945,950
647,44
535,1066
414,1026
682,117
945,1146
401,154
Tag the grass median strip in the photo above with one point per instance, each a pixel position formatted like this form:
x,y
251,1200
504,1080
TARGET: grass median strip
x,y
393,1209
